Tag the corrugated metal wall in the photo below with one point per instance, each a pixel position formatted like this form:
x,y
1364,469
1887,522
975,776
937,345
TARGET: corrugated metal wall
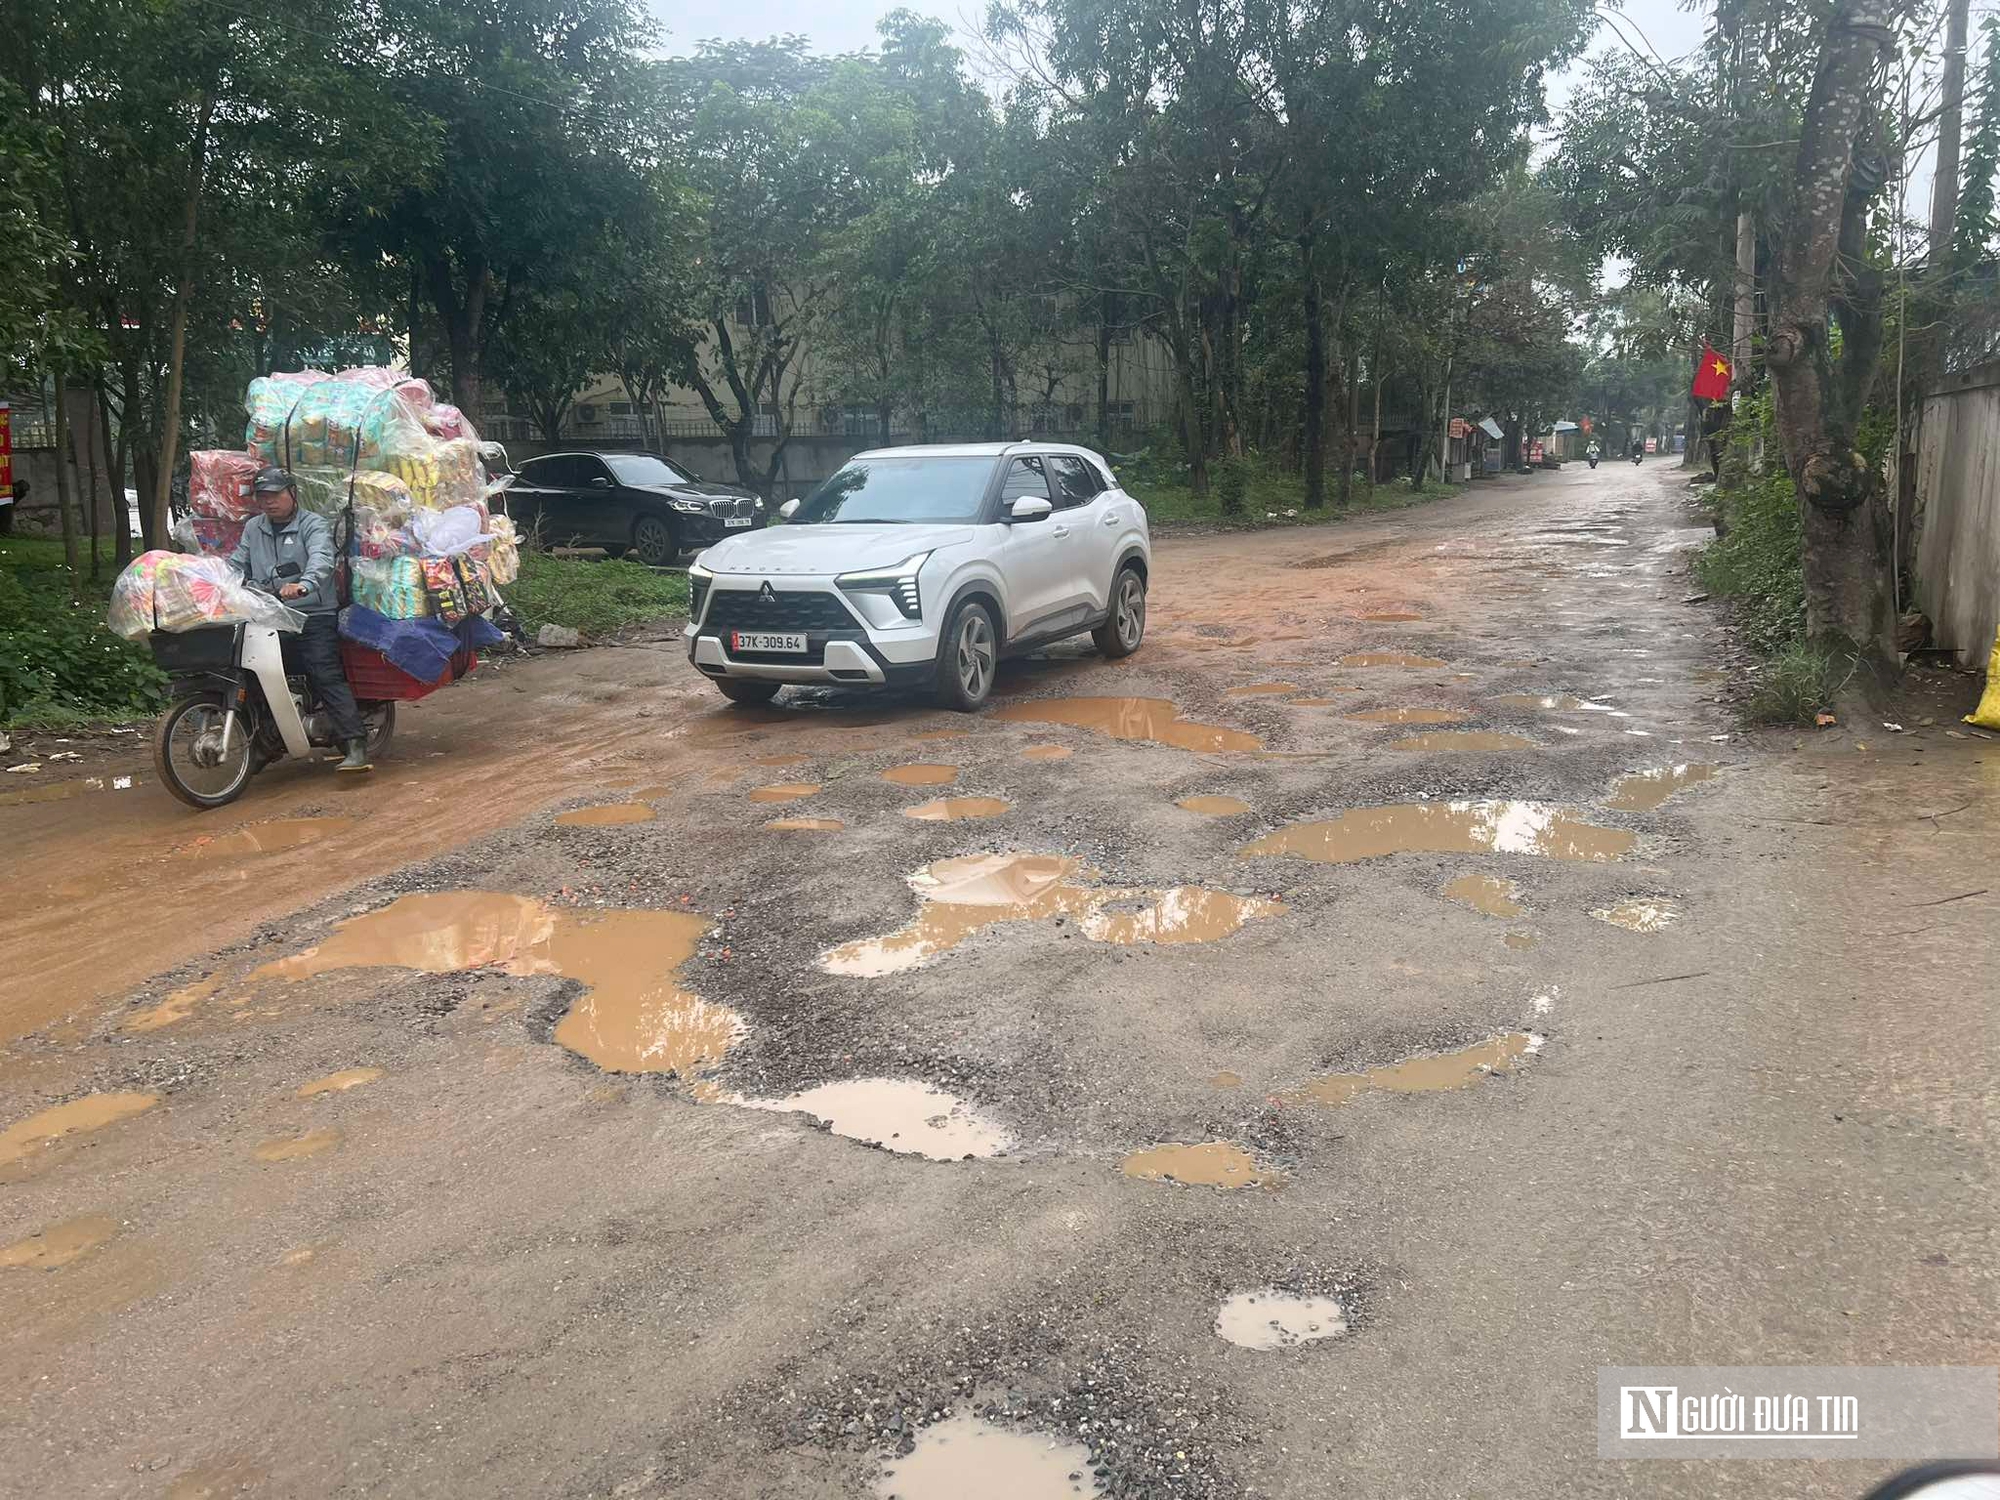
x,y
1958,510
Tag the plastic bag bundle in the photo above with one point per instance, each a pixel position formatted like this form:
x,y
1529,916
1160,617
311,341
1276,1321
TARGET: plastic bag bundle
x,y
1987,715
392,587
355,419
447,533
217,538
219,484
503,552
377,534
269,401
442,474
173,592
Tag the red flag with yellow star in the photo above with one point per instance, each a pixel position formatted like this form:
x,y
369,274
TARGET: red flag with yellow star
x,y
1711,376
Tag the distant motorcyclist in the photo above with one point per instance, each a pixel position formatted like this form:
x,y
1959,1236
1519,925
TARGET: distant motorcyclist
x,y
288,551
1593,452
1638,449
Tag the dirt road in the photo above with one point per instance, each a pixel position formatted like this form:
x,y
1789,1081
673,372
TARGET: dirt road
x,y
1301,1055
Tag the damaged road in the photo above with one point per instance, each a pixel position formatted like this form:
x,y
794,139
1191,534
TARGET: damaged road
x,y
1235,1070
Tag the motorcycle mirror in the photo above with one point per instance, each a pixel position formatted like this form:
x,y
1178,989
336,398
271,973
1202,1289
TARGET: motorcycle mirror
x,y
1946,1481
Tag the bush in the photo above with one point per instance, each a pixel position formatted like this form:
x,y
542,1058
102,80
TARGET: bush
x,y
1230,478
1795,684
593,595
59,666
1756,562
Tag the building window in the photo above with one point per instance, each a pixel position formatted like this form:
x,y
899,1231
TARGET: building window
x,y
753,309
621,408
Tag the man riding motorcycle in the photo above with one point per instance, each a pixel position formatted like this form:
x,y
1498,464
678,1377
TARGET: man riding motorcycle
x,y
1593,452
288,551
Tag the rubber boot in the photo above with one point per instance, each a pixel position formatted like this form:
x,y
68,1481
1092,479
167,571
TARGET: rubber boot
x,y
357,757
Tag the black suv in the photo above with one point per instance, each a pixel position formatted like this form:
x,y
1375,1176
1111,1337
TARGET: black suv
x,y
620,501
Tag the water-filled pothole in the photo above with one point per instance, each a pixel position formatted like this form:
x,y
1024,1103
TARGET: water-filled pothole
x,y
1428,1073
295,1147
339,1083
1270,1319
1388,659
1640,915
966,1457
805,825
59,1244
264,838
1553,703
921,775
1463,740
1154,719
1496,827
897,1114
610,815
957,809
1644,791
965,895
1213,806
1046,752
784,791
1215,1164
1410,716
1488,894
24,1138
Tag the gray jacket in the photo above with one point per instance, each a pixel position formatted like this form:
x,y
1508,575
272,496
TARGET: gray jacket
x,y
307,540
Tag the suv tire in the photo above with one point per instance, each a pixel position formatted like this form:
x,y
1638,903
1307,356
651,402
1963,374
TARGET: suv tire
x,y
1121,633
968,653
656,540
751,692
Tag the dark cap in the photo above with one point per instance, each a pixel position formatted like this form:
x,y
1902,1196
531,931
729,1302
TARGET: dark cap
x,y
272,479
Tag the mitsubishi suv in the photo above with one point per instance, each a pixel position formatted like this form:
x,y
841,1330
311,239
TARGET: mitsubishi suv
x,y
923,567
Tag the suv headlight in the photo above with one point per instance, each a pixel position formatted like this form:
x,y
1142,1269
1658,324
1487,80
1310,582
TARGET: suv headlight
x,y
899,583
699,578
690,507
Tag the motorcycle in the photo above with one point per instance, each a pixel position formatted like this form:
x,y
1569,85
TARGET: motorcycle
x,y
236,706
1592,457
1637,456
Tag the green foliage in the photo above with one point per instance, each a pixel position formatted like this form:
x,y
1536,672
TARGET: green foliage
x,y
59,666
1792,687
1232,482
1756,561
595,596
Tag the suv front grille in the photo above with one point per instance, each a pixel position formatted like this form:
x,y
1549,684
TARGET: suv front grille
x,y
748,609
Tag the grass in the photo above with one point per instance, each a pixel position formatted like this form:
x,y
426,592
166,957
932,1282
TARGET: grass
x,y
1794,685
1272,495
59,667
593,595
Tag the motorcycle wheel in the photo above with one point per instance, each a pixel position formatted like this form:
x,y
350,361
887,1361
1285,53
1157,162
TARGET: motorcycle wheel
x,y
193,760
380,721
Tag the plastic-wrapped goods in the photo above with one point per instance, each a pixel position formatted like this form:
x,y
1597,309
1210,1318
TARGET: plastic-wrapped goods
x,y
217,538
269,401
480,595
446,533
173,592
392,587
439,474
503,552
353,420
377,535
219,484
384,494
447,421
446,589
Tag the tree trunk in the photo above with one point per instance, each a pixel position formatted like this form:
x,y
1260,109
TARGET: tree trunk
x,y
170,424
1849,612
1104,372
1345,491
1315,413
97,464
1951,122
114,480
64,483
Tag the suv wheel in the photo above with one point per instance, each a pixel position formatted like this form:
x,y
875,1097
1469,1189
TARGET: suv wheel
x,y
968,652
654,540
1121,633
747,690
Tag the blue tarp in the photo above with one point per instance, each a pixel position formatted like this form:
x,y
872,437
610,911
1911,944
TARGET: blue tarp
x,y
422,648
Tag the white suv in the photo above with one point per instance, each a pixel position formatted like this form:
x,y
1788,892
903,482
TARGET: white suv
x,y
923,567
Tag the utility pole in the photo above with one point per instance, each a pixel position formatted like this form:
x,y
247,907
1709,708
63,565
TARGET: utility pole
x,y
1951,121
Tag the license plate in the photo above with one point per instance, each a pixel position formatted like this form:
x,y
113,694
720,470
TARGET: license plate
x,y
730,522
767,640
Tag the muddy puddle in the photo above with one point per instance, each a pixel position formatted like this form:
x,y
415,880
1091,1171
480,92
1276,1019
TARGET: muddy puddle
x,y
1410,716
1270,1319
1645,791
1640,915
1214,1164
784,791
1496,827
805,825
788,758
968,1458
179,1004
1213,807
59,1244
933,735
957,809
903,1115
1225,1080
1260,689
264,838
1046,752
1154,719
1564,703
339,1083
1316,702
962,896
62,791
921,775
25,1138
1431,1073
297,1147
1521,940
610,815
1487,894
1463,741
633,1017
1388,659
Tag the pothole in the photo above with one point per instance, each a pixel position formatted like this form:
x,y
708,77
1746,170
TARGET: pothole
x,y
293,1148
1260,689
1388,659
1269,1319
1521,940
1410,716
1497,827
957,809
1429,1073
610,815
62,791
1154,719
1553,703
921,775
1214,1164
59,1244
965,895
805,825
1046,752
1487,894
632,1018
1214,807
898,1114
264,838
783,791
966,1457
339,1083
1640,915
1644,791
1463,740
92,1112
787,758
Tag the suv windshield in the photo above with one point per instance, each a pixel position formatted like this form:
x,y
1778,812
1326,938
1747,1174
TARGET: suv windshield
x,y
898,491
643,468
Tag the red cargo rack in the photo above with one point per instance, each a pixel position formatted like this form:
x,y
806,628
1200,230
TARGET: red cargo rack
x,y
374,680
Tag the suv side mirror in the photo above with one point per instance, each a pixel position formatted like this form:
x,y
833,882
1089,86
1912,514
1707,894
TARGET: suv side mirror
x,y
787,510
600,483
1030,508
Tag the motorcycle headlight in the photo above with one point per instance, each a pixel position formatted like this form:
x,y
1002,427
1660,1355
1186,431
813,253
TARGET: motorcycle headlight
x,y
899,583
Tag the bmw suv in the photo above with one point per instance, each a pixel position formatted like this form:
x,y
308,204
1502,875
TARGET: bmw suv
x,y
923,567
